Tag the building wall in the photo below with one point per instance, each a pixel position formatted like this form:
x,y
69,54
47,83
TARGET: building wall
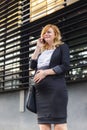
x,y
12,103
77,108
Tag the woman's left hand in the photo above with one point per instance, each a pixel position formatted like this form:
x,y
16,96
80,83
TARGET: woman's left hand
x,y
40,74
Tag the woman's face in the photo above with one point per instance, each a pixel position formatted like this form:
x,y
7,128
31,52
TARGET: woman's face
x,y
49,36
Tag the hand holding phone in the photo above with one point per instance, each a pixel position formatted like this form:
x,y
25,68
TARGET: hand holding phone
x,y
40,42
43,41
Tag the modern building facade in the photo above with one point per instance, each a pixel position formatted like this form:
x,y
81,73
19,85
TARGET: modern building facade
x,y
20,24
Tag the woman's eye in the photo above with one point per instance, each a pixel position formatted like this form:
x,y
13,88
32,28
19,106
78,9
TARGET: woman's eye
x,y
48,32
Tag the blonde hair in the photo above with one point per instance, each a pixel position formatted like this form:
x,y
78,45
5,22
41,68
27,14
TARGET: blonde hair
x,y
57,39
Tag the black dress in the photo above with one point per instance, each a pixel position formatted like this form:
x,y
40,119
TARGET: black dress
x,y
51,92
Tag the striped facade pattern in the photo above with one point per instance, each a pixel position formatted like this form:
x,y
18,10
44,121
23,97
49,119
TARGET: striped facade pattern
x,y
18,37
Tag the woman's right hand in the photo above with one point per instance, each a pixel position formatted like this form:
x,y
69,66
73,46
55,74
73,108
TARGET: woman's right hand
x,y
39,43
38,49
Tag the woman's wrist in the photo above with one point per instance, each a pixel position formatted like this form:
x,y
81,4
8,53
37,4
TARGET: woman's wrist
x,y
44,73
36,53
49,72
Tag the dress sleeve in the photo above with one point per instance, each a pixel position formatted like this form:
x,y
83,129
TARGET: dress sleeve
x,y
33,64
65,61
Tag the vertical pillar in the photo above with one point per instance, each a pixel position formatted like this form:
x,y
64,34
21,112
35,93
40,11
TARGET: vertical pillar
x,y
21,101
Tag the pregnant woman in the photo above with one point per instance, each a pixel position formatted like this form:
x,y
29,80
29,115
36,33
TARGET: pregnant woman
x,y
51,61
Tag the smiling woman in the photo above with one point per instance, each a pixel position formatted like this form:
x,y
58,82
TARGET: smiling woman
x,y
51,34
51,62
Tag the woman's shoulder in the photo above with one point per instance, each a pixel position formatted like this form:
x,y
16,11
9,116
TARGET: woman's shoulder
x,y
64,45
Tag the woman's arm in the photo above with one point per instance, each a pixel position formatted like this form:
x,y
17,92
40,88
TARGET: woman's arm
x,y
36,53
65,61
33,63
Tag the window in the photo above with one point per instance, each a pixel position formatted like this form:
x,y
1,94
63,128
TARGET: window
x,y
40,8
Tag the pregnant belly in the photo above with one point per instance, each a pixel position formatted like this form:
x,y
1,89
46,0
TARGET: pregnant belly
x,y
51,81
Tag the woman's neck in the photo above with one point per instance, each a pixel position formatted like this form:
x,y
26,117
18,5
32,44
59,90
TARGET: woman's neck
x,y
51,47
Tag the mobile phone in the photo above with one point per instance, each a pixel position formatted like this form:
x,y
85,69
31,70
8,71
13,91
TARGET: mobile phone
x,y
44,41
